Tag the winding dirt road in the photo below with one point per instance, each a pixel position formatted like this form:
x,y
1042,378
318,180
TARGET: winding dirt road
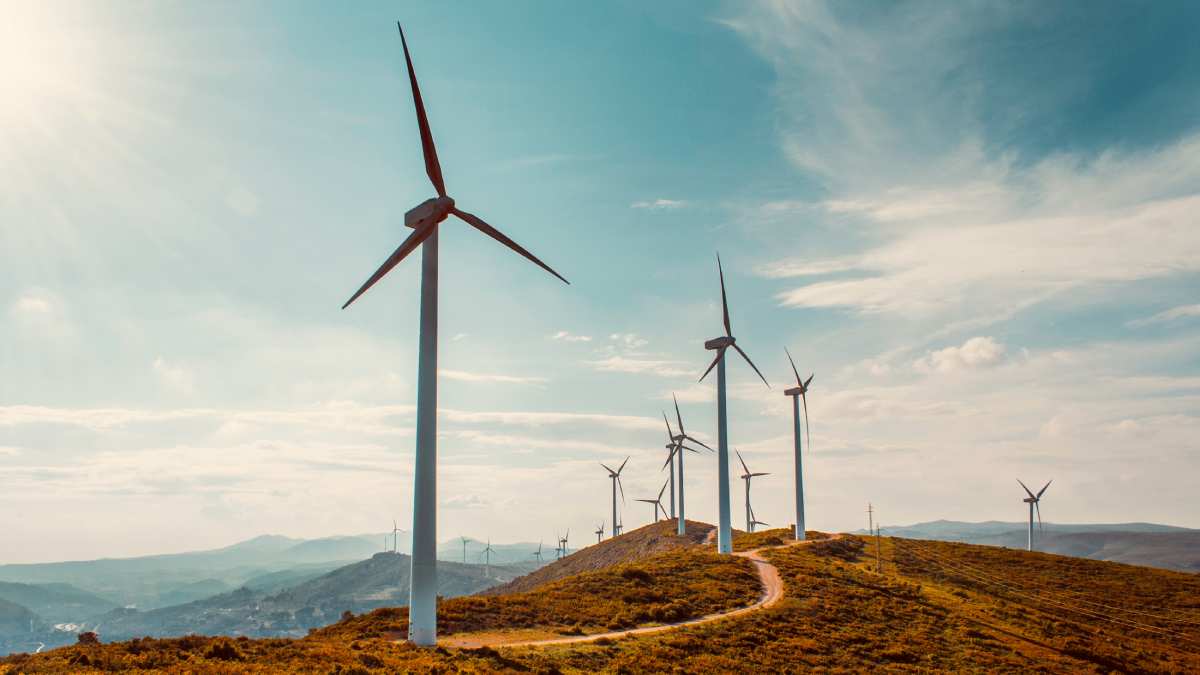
x,y
767,574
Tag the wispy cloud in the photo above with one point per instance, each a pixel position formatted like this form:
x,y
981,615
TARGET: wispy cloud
x,y
1181,312
564,336
659,204
464,376
174,376
975,353
625,364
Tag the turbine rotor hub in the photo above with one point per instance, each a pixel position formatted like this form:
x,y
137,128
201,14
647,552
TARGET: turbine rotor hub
x,y
436,209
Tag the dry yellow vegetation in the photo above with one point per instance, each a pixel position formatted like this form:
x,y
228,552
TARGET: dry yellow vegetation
x,y
935,607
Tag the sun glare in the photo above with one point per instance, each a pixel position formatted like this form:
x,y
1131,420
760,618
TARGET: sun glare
x,y
38,64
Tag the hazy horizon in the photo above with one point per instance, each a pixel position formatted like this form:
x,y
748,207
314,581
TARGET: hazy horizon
x,y
974,222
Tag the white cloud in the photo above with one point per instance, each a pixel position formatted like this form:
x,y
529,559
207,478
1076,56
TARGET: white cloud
x,y
31,304
464,376
564,336
174,377
975,353
628,340
459,336
624,364
6,451
659,204
1181,312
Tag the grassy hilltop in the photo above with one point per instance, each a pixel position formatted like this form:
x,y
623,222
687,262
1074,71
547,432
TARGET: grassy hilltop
x,y
934,606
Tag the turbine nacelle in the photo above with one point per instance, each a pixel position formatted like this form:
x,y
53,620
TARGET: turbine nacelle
x,y
794,391
720,343
436,210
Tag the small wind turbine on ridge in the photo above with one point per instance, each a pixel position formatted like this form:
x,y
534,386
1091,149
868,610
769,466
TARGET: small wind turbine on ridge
x,y
1034,502
750,520
799,393
656,504
677,447
615,477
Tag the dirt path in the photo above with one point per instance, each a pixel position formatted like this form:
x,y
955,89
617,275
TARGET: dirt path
x,y
767,574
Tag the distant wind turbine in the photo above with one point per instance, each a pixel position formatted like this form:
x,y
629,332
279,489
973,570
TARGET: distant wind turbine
x,y
424,219
538,553
656,504
487,552
464,541
1034,502
563,542
720,344
615,476
599,532
799,393
395,538
754,521
676,448
746,477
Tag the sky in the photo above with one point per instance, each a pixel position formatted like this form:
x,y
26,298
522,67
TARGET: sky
x,y
974,222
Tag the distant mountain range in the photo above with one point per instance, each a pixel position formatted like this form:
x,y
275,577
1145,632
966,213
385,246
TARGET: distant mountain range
x,y
266,586
1148,544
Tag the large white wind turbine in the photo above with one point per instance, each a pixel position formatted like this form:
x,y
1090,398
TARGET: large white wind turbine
x,y
425,219
1034,502
615,477
676,448
720,344
746,477
799,393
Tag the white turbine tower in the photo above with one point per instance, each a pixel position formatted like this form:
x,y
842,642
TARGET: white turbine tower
x,y
425,219
615,477
656,504
563,542
799,394
1034,502
720,344
750,520
677,447
464,541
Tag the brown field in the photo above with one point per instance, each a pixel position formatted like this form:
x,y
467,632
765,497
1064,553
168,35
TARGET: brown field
x,y
935,607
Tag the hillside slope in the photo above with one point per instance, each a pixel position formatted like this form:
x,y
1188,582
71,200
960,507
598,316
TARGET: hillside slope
x,y
643,542
935,606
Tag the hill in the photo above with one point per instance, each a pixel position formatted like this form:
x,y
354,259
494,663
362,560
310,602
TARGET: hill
x,y
1149,544
934,606
633,545
56,603
380,581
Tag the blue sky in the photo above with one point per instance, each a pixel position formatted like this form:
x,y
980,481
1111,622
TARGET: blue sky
x,y
974,222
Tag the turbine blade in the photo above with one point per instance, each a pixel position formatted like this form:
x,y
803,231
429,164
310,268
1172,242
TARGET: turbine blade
x,y
806,382
621,488
1039,494
678,417
789,355
697,441
691,449
670,456
660,492
606,467
807,426
414,239
1038,507
760,474
432,167
670,434
477,223
739,350
1026,489
622,466
720,353
739,456
724,303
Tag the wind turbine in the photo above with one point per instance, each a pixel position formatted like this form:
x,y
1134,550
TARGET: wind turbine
x,y
487,552
615,476
563,542
750,521
677,447
799,393
656,504
536,554
464,541
1034,502
754,520
720,344
424,219
599,532
395,530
